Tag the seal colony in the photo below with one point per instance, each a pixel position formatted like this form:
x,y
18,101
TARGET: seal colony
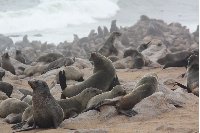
x,y
72,82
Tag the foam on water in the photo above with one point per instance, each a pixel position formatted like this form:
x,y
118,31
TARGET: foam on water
x,y
54,14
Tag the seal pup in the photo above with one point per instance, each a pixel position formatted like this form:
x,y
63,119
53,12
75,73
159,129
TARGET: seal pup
x,y
76,104
65,61
192,75
47,58
12,105
108,48
46,111
20,57
103,75
115,92
6,64
144,88
4,86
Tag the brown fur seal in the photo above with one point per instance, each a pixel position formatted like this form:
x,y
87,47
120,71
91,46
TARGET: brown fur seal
x,y
46,111
76,104
20,57
13,118
65,61
137,57
192,75
47,58
172,57
116,91
103,75
144,88
71,73
5,87
180,62
12,105
108,48
71,106
6,64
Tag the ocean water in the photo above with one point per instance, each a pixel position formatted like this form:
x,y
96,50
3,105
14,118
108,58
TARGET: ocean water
x,y
58,20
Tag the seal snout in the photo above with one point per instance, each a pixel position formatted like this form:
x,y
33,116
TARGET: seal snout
x,y
33,83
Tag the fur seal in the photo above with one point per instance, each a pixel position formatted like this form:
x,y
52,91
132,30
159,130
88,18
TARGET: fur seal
x,y
47,58
76,104
13,118
116,91
103,75
180,62
137,57
108,48
71,73
6,64
71,106
46,111
65,61
20,57
173,57
12,105
192,75
4,86
144,88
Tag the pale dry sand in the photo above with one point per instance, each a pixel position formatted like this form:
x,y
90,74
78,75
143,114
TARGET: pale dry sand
x,y
179,120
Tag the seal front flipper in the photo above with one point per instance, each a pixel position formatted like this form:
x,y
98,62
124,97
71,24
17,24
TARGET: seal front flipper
x,y
62,79
128,113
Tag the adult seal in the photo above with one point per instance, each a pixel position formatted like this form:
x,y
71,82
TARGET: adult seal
x,y
103,75
192,75
46,111
6,64
144,88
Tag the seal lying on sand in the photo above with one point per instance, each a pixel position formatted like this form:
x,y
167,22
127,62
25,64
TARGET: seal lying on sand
x,y
46,111
103,75
65,61
116,91
192,75
144,88
76,104
6,64
47,58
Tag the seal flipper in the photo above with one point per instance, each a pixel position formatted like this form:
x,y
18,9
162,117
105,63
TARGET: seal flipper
x,y
128,113
62,79
27,128
183,86
18,125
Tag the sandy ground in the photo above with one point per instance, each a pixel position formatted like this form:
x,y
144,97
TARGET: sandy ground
x,y
179,120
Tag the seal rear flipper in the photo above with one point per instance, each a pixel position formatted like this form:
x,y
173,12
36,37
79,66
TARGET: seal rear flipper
x,y
27,128
128,113
183,86
111,102
18,125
